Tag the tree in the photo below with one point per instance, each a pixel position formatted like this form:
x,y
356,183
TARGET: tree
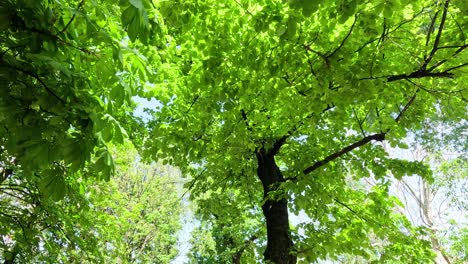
x,y
228,232
69,74
433,202
288,98
142,203
105,222
438,204
36,228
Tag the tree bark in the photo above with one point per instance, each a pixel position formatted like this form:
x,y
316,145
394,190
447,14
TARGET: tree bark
x,y
10,259
279,243
236,258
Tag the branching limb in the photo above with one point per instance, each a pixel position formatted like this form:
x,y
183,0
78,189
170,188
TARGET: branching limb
x,y
308,48
280,142
72,18
423,10
424,71
343,151
359,121
374,137
36,77
345,38
437,39
460,49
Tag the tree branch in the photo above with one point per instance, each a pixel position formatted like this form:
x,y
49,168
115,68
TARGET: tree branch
x,y
375,137
423,71
72,18
308,48
431,28
439,34
35,76
419,74
359,121
237,255
457,67
343,151
353,211
345,38
460,49
405,108
244,117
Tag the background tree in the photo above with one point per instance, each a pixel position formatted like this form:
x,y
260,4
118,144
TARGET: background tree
x,y
435,202
119,220
288,98
36,228
143,204
438,204
438,207
229,232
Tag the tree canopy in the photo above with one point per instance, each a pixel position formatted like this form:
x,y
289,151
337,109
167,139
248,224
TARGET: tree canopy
x,y
68,72
273,108
284,100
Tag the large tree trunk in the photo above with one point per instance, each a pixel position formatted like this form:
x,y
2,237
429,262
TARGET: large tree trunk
x,y
279,243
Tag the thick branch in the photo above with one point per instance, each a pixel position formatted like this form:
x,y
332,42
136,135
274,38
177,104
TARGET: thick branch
x,y
419,74
278,143
439,34
345,150
362,142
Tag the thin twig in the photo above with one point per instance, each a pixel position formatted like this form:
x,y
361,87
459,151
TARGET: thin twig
x,y
72,18
345,38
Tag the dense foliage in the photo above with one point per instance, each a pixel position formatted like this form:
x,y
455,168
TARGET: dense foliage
x,y
68,73
273,108
282,101
94,222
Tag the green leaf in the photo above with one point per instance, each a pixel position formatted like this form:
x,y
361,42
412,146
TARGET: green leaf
x,y
134,29
129,15
137,3
52,184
